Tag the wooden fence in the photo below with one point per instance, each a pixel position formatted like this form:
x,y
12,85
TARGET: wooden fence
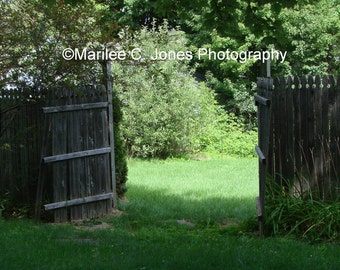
x,y
57,150
299,136
21,121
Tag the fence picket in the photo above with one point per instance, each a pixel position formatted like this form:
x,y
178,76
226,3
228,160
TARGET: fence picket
x,y
59,146
297,127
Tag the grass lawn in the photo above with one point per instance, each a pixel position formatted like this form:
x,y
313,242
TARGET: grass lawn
x,y
179,214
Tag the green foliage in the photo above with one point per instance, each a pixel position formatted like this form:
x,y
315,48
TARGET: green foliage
x,y
166,111
308,30
237,97
33,36
227,134
310,33
314,220
120,150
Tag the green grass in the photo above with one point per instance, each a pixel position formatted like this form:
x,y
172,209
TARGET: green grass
x,y
216,189
208,194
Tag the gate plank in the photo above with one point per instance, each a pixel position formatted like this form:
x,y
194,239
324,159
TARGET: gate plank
x,y
78,201
297,127
86,153
59,146
75,107
77,167
108,78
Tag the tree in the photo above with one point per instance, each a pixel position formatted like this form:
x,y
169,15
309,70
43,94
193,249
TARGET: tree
x,y
33,36
306,29
310,33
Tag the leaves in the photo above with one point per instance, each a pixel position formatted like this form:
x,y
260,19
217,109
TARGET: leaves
x,y
165,110
35,34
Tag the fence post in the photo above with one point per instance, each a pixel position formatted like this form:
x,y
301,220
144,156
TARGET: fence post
x,y
263,102
268,69
108,83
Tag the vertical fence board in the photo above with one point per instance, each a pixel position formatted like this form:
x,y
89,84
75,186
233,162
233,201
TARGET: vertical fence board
x,y
318,161
263,90
59,146
277,130
101,162
297,127
336,178
76,166
288,143
310,139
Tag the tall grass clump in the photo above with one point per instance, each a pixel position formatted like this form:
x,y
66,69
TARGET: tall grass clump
x,y
303,217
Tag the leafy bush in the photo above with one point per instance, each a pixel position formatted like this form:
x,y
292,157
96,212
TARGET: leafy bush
x,y
166,112
228,135
236,97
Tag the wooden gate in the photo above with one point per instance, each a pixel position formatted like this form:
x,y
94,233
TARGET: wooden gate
x,y
299,136
78,154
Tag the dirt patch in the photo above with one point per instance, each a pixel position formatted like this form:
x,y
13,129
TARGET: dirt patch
x,y
199,157
185,222
92,225
228,223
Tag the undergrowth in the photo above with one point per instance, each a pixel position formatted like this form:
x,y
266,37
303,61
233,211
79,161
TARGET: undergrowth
x,y
308,218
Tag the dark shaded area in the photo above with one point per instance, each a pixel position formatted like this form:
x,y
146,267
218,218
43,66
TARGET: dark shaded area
x,y
157,205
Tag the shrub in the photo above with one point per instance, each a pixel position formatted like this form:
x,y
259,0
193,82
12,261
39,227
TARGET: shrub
x,y
120,150
228,135
166,112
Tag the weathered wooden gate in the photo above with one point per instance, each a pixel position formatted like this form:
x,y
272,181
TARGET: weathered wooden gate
x,y
78,154
299,136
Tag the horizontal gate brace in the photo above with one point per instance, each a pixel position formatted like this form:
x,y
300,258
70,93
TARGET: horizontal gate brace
x,y
261,100
73,202
75,107
260,154
74,155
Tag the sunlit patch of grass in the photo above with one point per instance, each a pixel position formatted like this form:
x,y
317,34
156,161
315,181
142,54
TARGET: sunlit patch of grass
x,y
215,189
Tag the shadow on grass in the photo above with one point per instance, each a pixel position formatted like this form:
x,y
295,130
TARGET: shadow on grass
x,y
161,204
